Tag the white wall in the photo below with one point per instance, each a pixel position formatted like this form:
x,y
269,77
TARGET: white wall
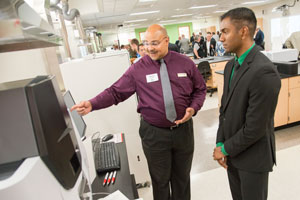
x,y
205,23
73,42
22,65
110,39
124,37
266,13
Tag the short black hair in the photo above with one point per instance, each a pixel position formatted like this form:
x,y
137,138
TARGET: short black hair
x,y
242,17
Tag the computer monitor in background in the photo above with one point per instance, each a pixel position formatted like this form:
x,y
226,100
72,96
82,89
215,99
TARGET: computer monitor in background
x,y
78,120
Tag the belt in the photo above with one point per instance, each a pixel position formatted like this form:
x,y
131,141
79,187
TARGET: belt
x,y
171,127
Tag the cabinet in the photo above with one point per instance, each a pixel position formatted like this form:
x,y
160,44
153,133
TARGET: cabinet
x,y
294,96
216,67
219,78
281,112
288,108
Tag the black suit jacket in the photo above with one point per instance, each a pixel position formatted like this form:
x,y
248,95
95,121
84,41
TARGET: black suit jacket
x,y
246,121
212,50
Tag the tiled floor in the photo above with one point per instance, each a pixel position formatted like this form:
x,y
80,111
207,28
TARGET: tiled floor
x,y
209,181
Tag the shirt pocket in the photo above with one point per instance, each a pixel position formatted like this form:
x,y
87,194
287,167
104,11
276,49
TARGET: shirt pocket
x,y
184,85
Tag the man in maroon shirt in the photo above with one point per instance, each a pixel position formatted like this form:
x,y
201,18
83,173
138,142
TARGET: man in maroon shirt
x,y
168,145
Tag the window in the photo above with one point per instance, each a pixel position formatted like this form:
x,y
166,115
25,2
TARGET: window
x,y
184,30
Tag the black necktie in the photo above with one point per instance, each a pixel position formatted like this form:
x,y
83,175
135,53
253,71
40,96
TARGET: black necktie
x,y
235,69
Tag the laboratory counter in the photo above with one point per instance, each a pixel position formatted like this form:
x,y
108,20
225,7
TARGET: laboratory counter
x,y
288,109
216,63
215,59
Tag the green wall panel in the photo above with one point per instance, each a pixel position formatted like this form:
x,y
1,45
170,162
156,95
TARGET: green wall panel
x,y
172,30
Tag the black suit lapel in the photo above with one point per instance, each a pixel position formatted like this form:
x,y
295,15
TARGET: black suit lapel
x,y
239,74
227,73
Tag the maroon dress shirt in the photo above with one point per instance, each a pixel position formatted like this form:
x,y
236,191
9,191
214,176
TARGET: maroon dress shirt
x,y
188,88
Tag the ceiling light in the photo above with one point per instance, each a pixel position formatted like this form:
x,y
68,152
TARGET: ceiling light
x,y
171,20
131,25
198,15
204,17
220,11
182,15
253,2
45,33
29,27
207,6
137,20
144,13
142,1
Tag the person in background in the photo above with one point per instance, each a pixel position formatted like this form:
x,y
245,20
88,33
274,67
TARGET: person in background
x,y
198,48
209,45
122,46
219,34
201,36
184,44
220,50
171,90
132,53
127,47
142,52
245,137
215,36
134,43
177,42
115,47
192,39
259,38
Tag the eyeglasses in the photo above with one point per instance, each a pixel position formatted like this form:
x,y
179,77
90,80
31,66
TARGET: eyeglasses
x,y
154,43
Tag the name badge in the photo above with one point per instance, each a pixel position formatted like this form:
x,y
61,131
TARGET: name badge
x,y
152,78
182,75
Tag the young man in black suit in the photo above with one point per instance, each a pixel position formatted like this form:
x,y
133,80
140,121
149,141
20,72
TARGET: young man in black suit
x,y
209,45
245,137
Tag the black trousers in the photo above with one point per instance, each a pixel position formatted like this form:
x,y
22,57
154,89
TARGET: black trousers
x,y
245,185
169,154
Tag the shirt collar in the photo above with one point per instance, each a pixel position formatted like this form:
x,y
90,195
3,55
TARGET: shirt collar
x,y
167,57
243,57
